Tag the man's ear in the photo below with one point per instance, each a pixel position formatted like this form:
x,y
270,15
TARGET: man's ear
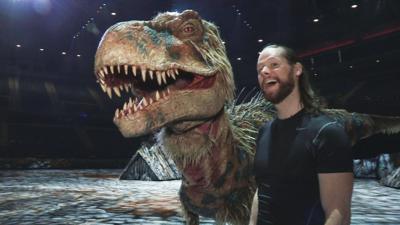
x,y
298,69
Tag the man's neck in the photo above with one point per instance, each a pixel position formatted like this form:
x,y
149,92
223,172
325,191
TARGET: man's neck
x,y
289,106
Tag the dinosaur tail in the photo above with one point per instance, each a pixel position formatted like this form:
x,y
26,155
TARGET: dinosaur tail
x,y
379,134
386,124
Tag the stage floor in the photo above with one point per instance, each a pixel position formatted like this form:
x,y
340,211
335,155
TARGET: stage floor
x,y
98,197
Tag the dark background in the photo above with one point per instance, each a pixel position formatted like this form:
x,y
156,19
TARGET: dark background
x,y
51,106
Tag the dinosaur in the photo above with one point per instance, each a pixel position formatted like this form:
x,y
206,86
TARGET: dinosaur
x,y
181,87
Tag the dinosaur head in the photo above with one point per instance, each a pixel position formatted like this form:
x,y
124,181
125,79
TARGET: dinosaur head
x,y
174,67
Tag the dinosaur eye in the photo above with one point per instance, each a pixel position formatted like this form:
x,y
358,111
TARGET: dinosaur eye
x,y
188,29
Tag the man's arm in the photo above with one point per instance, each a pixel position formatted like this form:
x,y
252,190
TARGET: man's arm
x,y
335,192
254,210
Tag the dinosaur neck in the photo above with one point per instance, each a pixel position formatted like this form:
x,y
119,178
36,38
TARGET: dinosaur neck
x,y
206,145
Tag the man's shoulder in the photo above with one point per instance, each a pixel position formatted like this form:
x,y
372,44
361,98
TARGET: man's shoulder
x,y
320,122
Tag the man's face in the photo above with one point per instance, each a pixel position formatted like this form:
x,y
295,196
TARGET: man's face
x,y
275,76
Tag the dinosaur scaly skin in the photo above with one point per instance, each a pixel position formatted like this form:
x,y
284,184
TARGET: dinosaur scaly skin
x,y
176,67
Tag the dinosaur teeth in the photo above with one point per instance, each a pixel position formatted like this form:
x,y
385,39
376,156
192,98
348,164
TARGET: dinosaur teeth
x,y
173,74
103,87
158,77
126,69
163,77
126,86
109,92
134,70
151,101
117,92
145,102
143,74
168,91
125,106
157,95
101,74
116,113
112,69
151,74
176,71
119,68
105,70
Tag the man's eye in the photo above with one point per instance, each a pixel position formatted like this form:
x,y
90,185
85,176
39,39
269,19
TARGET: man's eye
x,y
274,65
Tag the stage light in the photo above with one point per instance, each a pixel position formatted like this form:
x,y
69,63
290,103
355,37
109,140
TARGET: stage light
x,y
351,67
113,14
78,55
41,49
238,59
354,6
378,61
63,53
315,20
18,46
260,40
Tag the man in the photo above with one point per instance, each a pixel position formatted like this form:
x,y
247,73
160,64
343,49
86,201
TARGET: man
x,y
303,164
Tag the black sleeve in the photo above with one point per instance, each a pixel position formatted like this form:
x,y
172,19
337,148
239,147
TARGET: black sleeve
x,y
333,149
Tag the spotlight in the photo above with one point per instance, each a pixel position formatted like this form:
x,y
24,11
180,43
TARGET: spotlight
x,y
18,46
63,53
354,6
78,55
238,59
113,14
377,61
315,20
41,49
351,67
260,40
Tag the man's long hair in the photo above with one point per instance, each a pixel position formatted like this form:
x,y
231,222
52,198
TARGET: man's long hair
x,y
308,98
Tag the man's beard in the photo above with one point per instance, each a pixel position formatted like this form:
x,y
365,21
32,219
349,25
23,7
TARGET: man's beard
x,y
285,88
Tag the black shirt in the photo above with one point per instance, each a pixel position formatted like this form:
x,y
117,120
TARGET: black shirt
x,y
290,154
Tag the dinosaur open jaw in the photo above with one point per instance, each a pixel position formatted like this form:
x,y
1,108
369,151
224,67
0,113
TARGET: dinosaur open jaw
x,y
148,86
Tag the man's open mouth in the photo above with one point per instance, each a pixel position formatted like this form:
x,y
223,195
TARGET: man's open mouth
x,y
148,87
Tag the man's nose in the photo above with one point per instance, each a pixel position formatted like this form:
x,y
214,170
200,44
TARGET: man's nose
x,y
265,70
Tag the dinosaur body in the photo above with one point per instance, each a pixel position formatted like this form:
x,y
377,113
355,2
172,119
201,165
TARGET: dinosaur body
x,y
176,67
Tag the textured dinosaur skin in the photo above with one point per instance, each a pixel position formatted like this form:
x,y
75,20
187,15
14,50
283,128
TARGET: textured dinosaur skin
x,y
176,68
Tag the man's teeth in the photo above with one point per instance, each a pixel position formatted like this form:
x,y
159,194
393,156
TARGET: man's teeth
x,y
271,81
132,106
146,74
